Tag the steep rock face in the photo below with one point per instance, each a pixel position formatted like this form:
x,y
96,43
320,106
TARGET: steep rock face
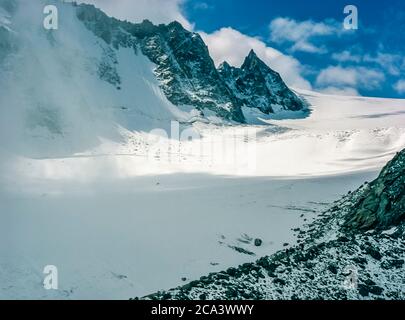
x,y
187,73
382,203
183,65
258,86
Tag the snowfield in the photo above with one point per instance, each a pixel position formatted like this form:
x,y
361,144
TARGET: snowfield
x,y
127,194
340,135
135,215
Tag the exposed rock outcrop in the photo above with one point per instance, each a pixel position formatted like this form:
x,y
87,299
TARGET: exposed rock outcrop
x,y
348,253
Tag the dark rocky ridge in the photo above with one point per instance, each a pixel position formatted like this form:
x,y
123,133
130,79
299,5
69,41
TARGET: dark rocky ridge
x,y
347,253
187,73
258,86
382,203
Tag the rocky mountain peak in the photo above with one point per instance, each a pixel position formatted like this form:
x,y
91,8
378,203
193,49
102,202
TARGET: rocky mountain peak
x,y
146,23
252,55
226,70
252,61
184,68
258,86
188,75
254,64
176,26
182,65
225,66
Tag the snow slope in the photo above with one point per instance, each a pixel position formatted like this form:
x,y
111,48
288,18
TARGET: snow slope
x,y
89,182
117,239
119,221
341,135
55,93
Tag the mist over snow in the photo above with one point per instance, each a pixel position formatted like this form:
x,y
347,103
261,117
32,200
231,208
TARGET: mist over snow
x,y
53,99
127,192
230,45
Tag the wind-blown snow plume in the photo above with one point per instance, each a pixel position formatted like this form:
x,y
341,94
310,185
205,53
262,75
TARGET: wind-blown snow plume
x,y
157,11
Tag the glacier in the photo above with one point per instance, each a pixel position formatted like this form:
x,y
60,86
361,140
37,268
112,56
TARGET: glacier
x,y
85,187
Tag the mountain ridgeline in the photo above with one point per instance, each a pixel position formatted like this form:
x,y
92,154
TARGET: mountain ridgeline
x,y
137,75
256,85
183,66
186,72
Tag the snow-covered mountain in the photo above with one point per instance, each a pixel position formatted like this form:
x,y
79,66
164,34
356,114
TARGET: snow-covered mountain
x,y
123,211
118,222
95,71
183,67
61,90
258,86
187,73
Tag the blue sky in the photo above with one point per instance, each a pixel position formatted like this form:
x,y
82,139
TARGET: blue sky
x,y
369,61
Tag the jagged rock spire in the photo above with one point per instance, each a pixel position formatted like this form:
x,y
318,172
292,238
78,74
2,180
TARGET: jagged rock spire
x,y
251,61
224,65
259,86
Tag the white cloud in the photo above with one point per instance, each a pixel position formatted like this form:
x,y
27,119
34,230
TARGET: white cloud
x,y
202,6
347,56
400,86
230,45
301,33
337,76
158,11
352,77
392,63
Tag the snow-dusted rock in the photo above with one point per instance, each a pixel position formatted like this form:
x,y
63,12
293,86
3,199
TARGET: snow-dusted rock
x,y
336,260
258,86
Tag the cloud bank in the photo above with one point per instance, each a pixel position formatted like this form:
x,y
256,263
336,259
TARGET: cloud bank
x,y
230,45
349,79
400,86
302,34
